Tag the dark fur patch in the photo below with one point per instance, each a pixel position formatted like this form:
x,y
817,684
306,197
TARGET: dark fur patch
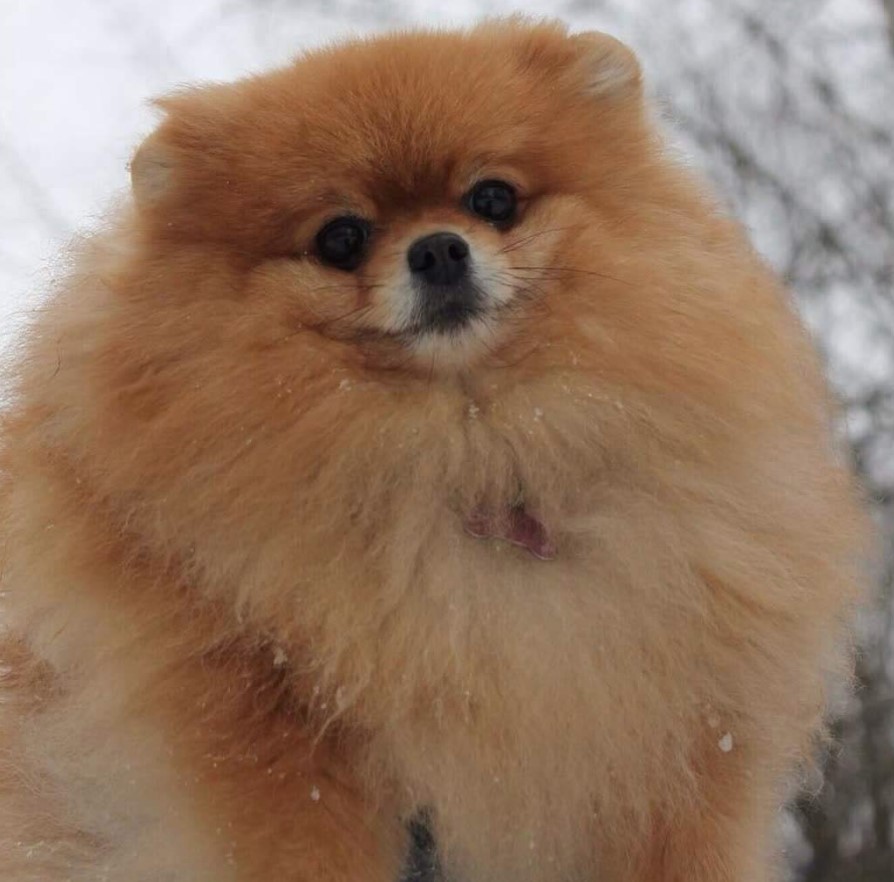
x,y
422,863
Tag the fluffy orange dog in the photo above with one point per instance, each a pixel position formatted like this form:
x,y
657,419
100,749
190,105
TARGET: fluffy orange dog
x,y
421,449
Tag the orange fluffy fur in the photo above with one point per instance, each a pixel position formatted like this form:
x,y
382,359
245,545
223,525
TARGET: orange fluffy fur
x,y
247,636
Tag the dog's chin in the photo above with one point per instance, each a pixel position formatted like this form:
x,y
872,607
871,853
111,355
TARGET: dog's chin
x,y
454,341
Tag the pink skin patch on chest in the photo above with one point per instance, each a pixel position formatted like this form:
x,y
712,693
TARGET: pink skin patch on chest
x,y
516,526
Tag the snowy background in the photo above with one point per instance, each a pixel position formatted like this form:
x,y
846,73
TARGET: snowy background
x,y
787,105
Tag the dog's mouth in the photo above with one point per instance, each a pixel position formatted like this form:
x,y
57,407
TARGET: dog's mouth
x,y
450,318
447,309
443,329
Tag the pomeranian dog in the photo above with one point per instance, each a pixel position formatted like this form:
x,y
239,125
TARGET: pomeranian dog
x,y
419,477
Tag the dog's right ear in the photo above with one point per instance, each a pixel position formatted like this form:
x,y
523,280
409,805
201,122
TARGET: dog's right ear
x,y
154,166
186,137
152,171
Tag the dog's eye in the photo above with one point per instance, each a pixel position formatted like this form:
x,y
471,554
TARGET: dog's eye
x,y
495,201
342,242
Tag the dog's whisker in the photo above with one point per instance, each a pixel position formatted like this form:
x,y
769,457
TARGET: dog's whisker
x,y
524,240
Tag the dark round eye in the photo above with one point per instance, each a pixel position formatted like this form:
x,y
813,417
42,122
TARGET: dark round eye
x,y
342,241
495,201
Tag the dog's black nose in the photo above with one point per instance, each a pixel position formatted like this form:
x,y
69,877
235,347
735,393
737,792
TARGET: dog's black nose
x,y
439,259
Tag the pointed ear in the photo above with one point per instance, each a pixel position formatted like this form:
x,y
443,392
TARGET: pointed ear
x,y
152,171
609,68
187,125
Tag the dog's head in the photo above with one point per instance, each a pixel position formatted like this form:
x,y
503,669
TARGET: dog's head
x,y
422,195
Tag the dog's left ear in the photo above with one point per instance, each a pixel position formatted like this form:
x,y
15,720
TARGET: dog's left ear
x,y
608,67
